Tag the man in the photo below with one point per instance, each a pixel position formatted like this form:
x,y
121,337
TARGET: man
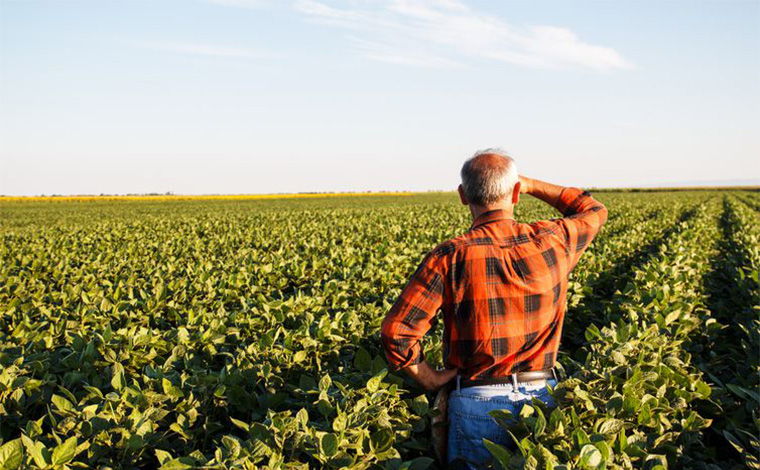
x,y
502,289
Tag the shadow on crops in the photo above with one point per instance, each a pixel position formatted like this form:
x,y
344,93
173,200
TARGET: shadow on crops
x,y
728,355
591,308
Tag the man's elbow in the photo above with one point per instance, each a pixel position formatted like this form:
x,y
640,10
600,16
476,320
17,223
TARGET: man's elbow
x,y
600,210
602,214
386,329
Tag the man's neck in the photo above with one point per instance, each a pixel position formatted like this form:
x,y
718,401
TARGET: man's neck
x,y
477,211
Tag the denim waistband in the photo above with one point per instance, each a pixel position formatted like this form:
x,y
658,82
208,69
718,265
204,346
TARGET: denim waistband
x,y
508,387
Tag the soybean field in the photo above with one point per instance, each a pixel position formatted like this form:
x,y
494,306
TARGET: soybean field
x,y
244,334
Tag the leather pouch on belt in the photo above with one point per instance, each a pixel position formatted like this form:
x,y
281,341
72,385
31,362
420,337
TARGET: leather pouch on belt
x,y
439,424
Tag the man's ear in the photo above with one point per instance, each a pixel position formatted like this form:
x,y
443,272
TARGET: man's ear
x,y
462,197
516,193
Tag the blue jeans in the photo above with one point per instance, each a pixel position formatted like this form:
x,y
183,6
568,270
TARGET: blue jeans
x,y
469,422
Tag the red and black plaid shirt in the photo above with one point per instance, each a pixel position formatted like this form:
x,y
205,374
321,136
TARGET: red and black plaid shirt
x,y
502,287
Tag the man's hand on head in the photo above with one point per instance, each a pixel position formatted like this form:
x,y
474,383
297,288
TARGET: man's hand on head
x,y
525,184
429,378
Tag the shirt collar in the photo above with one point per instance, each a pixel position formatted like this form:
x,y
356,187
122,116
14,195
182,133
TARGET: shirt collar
x,y
491,216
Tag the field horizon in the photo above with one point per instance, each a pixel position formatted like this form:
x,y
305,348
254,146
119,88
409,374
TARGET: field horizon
x,y
320,194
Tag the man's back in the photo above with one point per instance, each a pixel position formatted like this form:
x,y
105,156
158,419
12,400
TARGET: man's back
x,y
501,287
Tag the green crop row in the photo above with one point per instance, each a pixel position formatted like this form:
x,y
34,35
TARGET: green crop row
x,y
730,355
607,266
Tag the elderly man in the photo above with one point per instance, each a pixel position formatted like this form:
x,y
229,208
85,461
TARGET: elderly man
x,y
502,289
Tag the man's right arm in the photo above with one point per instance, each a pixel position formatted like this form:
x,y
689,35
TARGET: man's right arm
x,y
407,322
583,215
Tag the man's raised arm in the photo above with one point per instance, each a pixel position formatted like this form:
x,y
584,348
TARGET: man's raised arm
x,y
583,215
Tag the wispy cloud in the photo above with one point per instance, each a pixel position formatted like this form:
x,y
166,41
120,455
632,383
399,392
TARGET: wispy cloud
x,y
204,50
449,33
384,53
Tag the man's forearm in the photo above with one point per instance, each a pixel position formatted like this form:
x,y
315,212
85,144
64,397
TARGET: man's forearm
x,y
547,192
427,377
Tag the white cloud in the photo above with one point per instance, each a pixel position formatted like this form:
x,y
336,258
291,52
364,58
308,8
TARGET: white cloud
x,y
203,49
448,32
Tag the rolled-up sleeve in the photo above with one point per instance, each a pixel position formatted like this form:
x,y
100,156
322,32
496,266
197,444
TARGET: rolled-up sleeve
x,y
412,315
584,216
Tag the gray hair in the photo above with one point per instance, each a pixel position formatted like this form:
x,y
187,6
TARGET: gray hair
x,y
489,176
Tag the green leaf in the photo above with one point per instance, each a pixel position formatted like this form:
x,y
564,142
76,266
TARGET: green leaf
x,y
241,424
61,403
631,404
743,392
378,364
340,423
703,389
580,437
118,382
420,405
94,391
605,450
592,333
501,454
329,444
299,356
733,441
672,316
162,456
259,450
621,442
232,444
38,451
526,411
590,457
11,455
381,440
182,463
266,340
609,426
303,417
170,390
373,384
618,357
363,360
540,424
325,382
655,460
65,452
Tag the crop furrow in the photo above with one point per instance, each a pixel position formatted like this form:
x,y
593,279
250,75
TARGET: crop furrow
x,y
612,268
752,202
729,350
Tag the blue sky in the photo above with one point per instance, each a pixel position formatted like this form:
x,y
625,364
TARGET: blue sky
x,y
257,96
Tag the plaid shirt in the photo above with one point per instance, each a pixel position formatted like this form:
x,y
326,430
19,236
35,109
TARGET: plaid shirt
x,y
502,287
